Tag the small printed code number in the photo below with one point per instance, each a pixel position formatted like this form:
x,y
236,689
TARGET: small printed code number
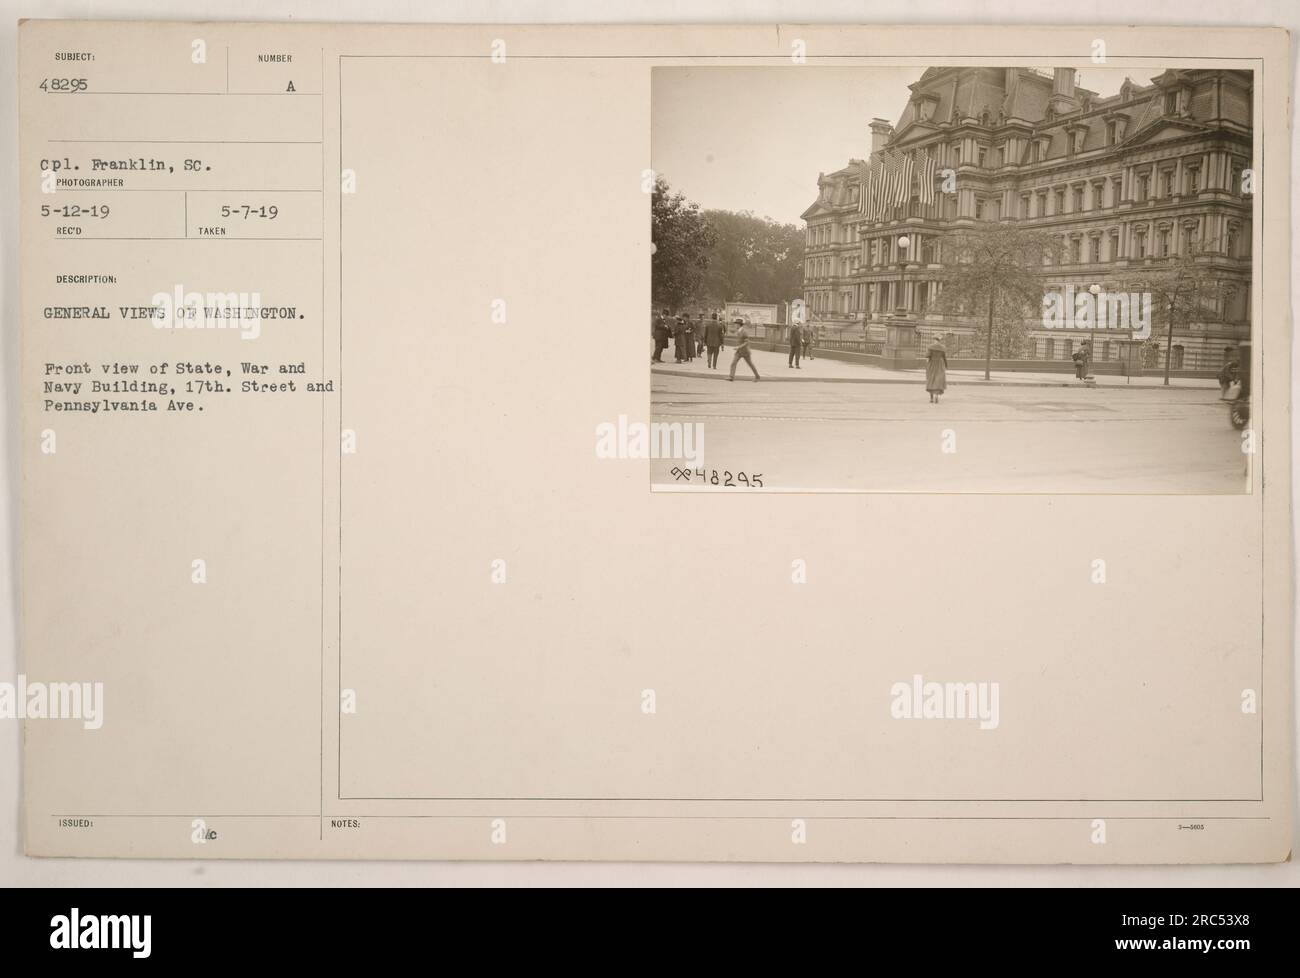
x,y
64,85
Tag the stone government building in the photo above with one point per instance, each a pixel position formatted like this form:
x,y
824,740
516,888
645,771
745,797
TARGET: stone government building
x,y
1128,180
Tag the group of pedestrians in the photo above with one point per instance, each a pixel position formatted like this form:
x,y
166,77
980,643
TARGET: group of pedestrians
x,y
803,336
693,338
690,338
698,337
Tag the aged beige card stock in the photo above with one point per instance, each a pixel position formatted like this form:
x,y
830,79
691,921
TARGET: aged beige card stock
x,y
356,523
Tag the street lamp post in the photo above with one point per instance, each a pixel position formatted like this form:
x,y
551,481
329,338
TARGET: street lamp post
x,y
1169,340
900,307
1095,290
899,351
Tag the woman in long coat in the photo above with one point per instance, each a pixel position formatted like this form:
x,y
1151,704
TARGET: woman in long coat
x,y
936,369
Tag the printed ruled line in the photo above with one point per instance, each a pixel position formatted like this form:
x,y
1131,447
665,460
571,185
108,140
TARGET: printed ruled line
x,y
191,190
748,818
338,741
215,237
209,142
779,59
322,318
219,94
818,801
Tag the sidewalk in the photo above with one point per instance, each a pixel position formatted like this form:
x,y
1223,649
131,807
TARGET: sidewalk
x,y
774,367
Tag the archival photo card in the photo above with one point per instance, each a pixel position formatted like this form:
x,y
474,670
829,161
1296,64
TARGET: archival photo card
x,y
767,443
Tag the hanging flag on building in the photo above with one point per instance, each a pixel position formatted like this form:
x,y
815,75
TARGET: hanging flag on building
x,y
905,183
887,184
900,180
890,189
927,170
879,178
872,187
882,185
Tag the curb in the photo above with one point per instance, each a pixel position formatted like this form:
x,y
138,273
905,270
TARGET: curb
x,y
781,379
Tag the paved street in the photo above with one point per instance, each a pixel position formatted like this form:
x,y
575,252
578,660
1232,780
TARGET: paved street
x,y
1021,433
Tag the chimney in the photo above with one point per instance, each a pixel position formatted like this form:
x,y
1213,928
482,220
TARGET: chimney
x,y
1063,91
881,130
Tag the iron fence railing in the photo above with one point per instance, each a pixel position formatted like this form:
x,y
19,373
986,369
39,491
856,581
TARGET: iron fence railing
x,y
849,345
1152,358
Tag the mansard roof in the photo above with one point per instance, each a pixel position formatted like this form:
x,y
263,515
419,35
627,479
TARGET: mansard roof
x,y
946,96
834,191
991,98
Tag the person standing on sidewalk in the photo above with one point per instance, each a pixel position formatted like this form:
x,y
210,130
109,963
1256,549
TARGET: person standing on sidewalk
x,y
742,350
796,345
713,340
1227,375
679,340
1082,357
660,333
810,338
936,369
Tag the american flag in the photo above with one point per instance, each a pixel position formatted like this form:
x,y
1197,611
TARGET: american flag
x,y
898,180
904,191
887,182
885,177
885,191
871,176
927,169
878,176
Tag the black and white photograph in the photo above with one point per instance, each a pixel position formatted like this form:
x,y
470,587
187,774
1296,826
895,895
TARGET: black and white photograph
x,y
952,279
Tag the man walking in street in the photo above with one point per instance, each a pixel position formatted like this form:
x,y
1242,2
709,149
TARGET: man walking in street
x,y
796,346
742,350
713,340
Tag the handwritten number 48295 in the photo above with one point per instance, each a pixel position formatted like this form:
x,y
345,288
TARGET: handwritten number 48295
x,y
713,477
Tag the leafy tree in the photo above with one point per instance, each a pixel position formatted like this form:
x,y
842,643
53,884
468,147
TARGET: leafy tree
x,y
682,243
754,259
993,272
1182,292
